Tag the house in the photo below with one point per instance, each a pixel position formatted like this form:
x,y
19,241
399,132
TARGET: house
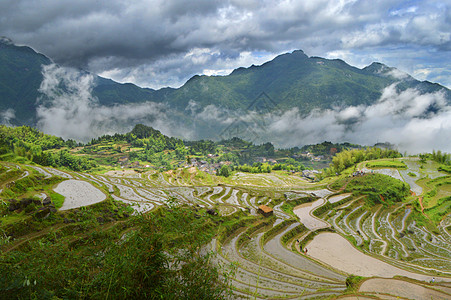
x,y
123,160
265,210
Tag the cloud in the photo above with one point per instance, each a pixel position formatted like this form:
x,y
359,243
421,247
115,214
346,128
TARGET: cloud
x,y
6,116
414,121
159,43
68,109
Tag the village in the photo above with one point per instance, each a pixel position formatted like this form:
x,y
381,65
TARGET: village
x,y
208,165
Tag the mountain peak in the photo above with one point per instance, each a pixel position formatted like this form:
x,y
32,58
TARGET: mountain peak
x,y
380,69
299,52
376,67
6,41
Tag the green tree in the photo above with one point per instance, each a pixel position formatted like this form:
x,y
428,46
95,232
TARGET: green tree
x,y
224,171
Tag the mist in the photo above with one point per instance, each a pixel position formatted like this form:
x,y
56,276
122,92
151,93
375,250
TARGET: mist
x,y
67,109
413,121
6,116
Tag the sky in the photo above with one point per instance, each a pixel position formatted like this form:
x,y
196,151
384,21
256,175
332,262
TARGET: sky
x,y
159,43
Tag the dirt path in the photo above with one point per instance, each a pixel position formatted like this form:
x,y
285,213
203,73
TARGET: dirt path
x,y
420,199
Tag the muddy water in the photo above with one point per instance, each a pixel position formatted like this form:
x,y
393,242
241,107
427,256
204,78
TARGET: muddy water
x,y
401,288
411,181
303,212
337,198
78,193
337,252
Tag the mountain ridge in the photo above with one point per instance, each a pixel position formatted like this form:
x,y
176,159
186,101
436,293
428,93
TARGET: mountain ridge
x,y
290,80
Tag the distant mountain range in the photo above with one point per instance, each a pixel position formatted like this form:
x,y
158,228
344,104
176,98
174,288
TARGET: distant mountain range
x,y
291,80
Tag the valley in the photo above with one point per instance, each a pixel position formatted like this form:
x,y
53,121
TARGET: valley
x,y
159,150
323,239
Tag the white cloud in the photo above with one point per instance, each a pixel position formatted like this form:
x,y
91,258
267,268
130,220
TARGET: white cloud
x,y
414,121
7,116
72,112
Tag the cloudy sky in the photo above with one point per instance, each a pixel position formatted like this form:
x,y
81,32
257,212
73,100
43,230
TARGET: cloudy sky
x,y
157,43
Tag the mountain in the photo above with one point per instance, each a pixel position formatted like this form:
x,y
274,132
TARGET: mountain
x,y
291,80
296,80
21,77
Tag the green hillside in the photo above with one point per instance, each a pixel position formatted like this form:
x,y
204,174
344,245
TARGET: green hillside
x,y
21,76
295,80
290,80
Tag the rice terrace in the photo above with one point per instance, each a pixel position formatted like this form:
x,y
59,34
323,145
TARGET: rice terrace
x,y
365,228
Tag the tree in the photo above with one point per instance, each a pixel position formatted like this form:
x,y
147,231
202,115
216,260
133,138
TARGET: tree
x,y
224,171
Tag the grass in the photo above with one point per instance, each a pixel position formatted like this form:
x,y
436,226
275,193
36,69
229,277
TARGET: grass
x,y
57,199
288,206
434,190
277,229
445,168
293,233
387,164
378,188
438,211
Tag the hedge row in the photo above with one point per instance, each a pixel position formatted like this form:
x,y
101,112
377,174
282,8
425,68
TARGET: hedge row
x,y
276,229
251,230
296,231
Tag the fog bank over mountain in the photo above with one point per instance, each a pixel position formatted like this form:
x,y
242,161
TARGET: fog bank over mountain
x,y
412,120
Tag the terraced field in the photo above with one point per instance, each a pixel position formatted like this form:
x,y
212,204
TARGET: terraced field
x,y
304,253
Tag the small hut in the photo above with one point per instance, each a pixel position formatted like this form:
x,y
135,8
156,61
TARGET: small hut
x,y
265,210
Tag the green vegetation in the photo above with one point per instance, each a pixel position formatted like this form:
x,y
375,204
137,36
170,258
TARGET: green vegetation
x,y
277,229
329,207
100,251
147,146
155,256
255,228
34,146
28,184
349,158
328,148
290,80
164,253
289,205
224,171
295,232
353,283
439,210
386,164
445,168
442,158
258,167
379,188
